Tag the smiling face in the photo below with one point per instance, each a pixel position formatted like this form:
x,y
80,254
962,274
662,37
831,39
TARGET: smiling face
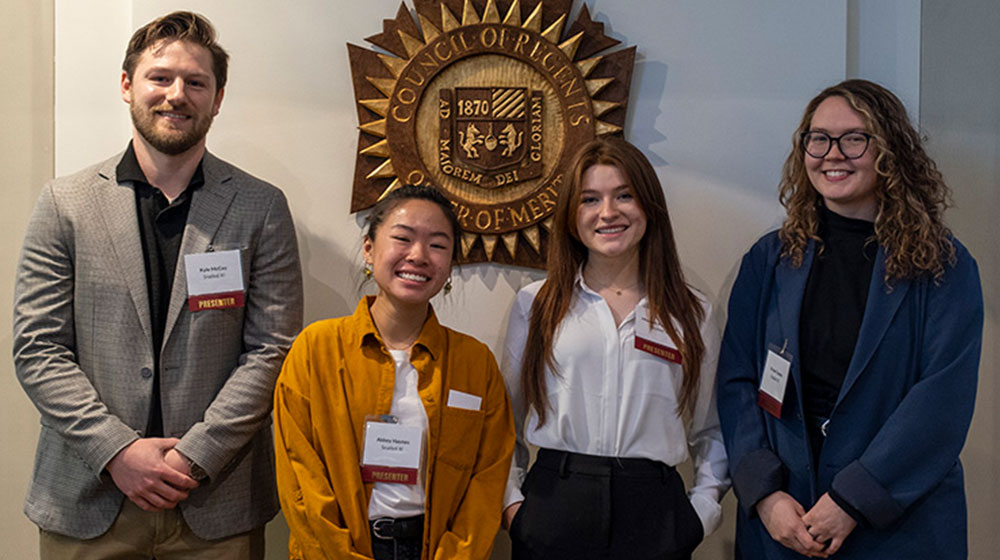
x,y
172,96
411,253
609,220
846,185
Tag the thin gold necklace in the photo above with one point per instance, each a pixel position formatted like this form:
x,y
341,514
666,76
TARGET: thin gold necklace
x,y
619,291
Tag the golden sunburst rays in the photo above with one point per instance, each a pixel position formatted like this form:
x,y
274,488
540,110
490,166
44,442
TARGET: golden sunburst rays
x,y
606,78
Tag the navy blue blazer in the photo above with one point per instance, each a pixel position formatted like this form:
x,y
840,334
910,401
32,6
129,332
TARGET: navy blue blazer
x,y
898,424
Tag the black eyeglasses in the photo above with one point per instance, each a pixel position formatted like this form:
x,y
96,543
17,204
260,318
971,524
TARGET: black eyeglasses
x,y
852,144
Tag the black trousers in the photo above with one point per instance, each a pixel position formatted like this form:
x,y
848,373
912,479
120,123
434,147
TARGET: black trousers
x,y
585,507
401,539
396,549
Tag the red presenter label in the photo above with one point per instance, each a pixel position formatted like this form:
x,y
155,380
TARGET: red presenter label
x,y
378,473
659,350
769,403
205,302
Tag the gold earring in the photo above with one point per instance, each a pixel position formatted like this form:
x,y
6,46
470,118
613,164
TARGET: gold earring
x,y
447,287
368,270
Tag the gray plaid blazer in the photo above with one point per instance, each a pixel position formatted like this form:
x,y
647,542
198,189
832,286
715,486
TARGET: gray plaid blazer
x,y
83,348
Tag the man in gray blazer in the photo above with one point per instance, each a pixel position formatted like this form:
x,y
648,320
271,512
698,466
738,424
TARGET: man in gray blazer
x,y
156,297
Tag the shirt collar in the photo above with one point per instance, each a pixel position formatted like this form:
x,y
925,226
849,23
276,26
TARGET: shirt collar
x,y
580,284
431,336
128,169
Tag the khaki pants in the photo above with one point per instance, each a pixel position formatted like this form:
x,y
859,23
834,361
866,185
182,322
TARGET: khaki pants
x,y
143,535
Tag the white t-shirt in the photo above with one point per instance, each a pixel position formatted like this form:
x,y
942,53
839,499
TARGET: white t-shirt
x,y
391,499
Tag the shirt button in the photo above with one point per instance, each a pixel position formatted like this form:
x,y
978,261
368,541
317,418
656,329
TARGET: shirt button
x,y
146,372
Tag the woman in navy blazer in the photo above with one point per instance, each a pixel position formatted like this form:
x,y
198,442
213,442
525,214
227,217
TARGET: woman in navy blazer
x,y
875,311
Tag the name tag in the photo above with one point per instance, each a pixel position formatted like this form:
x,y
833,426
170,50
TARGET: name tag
x,y
214,280
392,453
773,380
458,399
654,340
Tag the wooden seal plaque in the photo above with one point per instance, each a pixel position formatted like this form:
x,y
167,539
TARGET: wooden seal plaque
x,y
487,101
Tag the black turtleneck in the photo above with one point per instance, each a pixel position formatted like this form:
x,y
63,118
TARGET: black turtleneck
x,y
833,307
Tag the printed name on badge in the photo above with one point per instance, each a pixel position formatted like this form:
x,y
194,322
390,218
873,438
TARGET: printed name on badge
x,y
214,280
391,453
773,380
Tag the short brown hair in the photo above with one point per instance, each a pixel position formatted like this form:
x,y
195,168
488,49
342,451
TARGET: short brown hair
x,y
178,26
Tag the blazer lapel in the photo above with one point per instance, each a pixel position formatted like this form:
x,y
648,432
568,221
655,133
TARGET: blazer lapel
x,y
117,210
791,284
208,207
879,311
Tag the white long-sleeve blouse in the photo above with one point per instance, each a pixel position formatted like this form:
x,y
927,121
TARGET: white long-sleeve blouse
x,y
611,399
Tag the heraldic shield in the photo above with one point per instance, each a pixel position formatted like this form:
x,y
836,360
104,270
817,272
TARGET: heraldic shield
x,y
491,136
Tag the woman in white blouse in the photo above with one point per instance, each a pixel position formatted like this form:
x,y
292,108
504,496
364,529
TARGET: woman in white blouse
x,y
613,400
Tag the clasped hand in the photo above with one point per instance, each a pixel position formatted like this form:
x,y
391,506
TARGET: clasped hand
x,y
151,473
818,533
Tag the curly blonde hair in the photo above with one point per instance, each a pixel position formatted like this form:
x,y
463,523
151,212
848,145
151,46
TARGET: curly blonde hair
x,y
910,191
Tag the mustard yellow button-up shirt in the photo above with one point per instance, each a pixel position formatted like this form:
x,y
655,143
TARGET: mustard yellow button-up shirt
x,y
337,372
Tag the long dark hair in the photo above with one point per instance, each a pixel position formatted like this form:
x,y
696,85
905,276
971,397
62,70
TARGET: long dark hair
x,y
670,299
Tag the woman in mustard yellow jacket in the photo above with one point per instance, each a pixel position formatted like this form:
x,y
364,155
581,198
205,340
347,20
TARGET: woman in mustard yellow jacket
x,y
393,433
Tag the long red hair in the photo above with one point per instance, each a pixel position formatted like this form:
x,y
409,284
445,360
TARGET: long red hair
x,y
670,299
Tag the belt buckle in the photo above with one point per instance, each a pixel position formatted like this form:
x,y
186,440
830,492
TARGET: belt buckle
x,y
386,523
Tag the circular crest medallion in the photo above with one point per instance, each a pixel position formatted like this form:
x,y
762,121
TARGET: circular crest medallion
x,y
489,109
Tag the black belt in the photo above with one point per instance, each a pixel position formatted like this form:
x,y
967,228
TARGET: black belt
x,y
566,462
404,528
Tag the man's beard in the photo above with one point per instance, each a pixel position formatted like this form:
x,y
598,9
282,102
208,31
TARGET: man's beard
x,y
173,143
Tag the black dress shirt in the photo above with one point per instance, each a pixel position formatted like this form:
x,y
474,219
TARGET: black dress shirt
x,y
161,228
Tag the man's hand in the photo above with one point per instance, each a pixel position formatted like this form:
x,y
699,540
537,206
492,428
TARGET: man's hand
x,y
142,473
782,517
177,461
828,522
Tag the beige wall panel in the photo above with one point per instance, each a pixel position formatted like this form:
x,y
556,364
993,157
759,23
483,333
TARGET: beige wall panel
x,y
26,158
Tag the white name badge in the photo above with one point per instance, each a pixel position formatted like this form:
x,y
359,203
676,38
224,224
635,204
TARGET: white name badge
x,y
392,453
654,340
774,379
214,280
458,399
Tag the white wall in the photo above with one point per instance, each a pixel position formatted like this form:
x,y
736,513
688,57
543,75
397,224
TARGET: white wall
x,y
90,39
883,45
719,87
